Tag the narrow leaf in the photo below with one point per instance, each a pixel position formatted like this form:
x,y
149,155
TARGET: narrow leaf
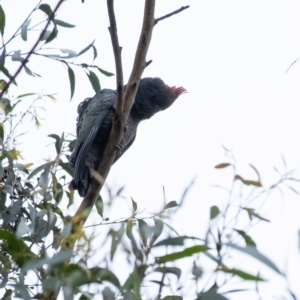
x,y
106,73
46,9
211,295
8,294
72,81
52,35
46,34
39,169
70,54
18,250
185,253
5,105
56,137
66,167
2,59
6,73
222,166
95,52
256,254
63,23
260,217
255,170
173,270
134,205
3,83
1,133
214,212
24,30
94,81
159,226
99,205
86,48
7,189
248,182
17,56
170,205
246,237
242,274
26,95
173,241
2,20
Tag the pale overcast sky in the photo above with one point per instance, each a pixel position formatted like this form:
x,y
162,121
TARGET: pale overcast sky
x,y
232,57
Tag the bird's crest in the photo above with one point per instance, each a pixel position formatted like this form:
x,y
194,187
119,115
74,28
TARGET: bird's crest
x,y
178,90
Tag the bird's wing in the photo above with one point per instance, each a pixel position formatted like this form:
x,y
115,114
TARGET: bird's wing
x,y
91,121
81,109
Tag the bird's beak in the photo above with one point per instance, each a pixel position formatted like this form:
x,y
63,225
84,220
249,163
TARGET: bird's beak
x,y
178,90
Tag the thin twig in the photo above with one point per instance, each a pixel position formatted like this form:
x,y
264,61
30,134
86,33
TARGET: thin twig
x,y
12,79
171,14
292,64
117,54
140,64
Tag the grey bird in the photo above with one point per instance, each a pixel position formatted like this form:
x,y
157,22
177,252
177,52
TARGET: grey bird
x,y
94,122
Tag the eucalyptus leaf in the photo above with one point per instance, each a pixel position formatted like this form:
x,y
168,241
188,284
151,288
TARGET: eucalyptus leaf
x,y
5,105
71,80
46,9
3,83
2,58
181,254
24,30
211,295
7,189
22,228
70,54
214,212
246,237
2,20
99,205
134,205
46,35
52,35
256,254
94,81
171,204
86,48
63,23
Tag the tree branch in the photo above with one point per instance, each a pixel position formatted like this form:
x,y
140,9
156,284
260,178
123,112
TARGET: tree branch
x,y
117,54
140,64
12,79
171,14
120,118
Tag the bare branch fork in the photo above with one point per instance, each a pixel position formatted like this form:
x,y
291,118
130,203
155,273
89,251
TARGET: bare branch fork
x,y
12,79
124,104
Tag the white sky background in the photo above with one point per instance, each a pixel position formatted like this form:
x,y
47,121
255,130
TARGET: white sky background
x,y
231,56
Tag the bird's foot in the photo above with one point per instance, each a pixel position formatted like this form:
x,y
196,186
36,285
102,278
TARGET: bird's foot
x,y
120,147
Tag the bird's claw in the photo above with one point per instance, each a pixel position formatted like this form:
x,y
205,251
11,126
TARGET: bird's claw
x,y
119,147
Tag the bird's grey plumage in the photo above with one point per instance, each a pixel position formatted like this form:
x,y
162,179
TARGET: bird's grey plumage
x,y
94,122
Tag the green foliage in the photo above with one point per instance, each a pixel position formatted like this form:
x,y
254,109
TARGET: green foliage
x,y
65,56
33,227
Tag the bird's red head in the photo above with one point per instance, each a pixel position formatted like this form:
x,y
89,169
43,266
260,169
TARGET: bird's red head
x,y
176,92
154,95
